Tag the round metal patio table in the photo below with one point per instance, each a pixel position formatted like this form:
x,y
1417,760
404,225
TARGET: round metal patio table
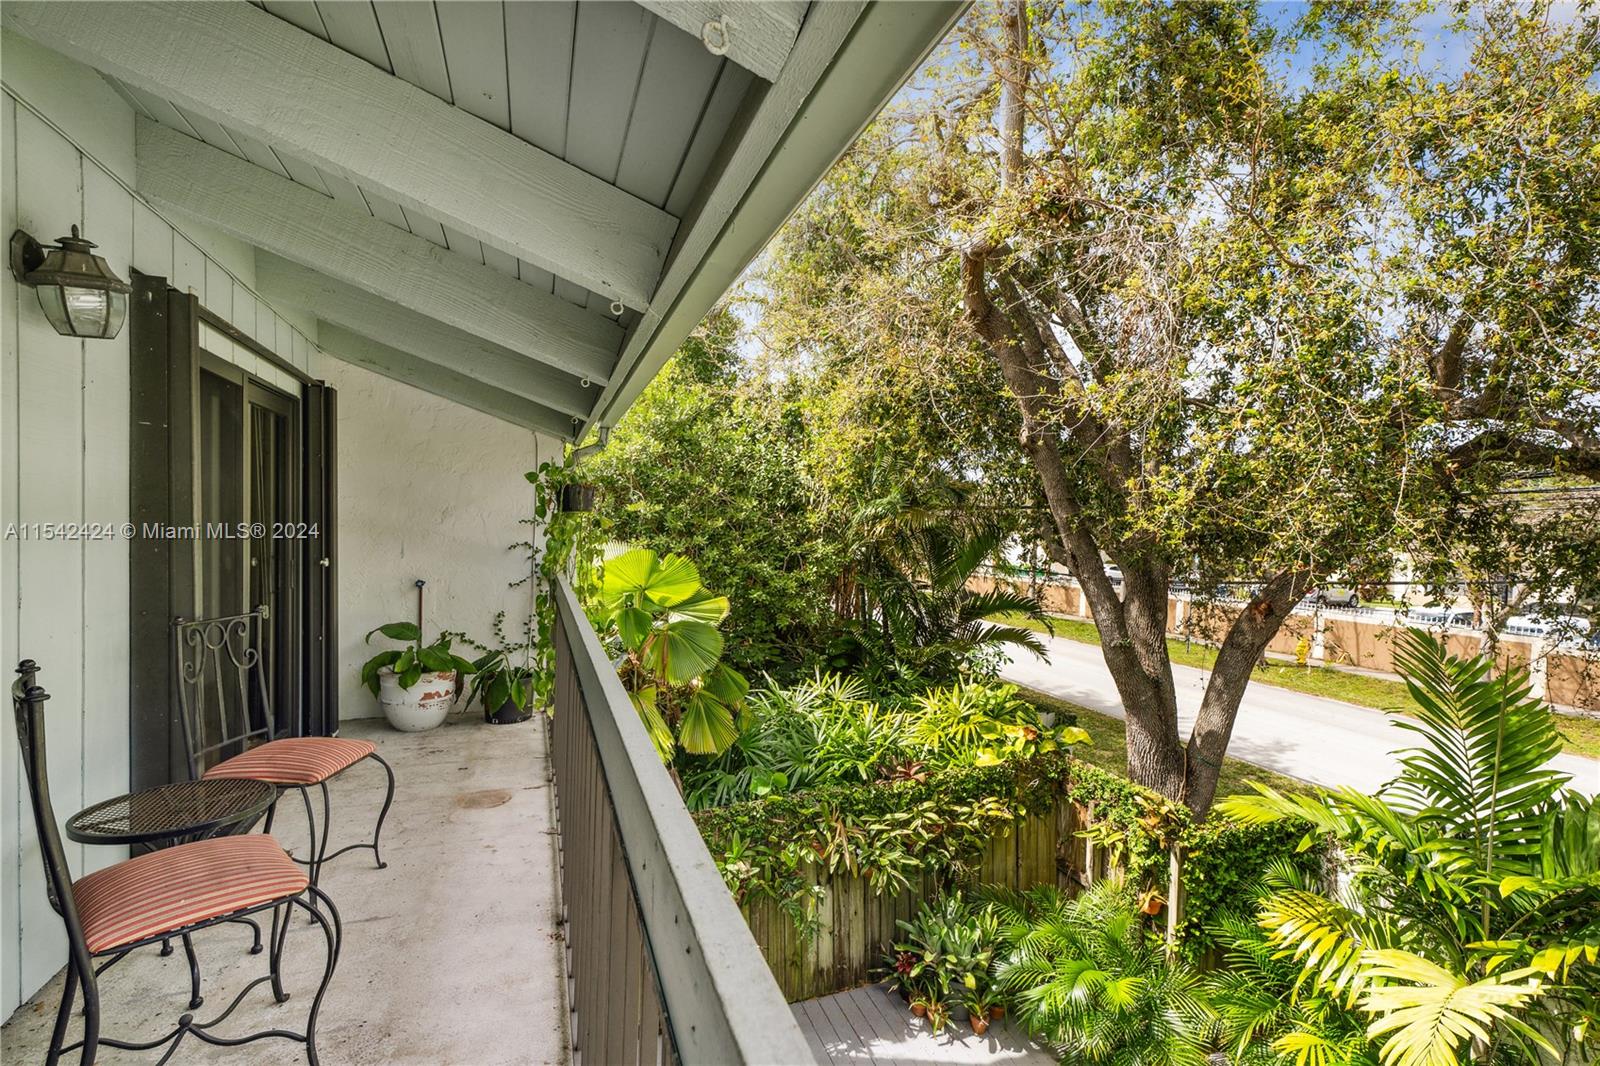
x,y
184,810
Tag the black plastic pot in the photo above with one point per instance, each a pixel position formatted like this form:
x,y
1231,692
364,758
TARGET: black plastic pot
x,y
578,497
508,714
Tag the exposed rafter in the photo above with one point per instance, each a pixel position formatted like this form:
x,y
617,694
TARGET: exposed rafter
x,y
356,309
240,66
756,34
292,221
351,347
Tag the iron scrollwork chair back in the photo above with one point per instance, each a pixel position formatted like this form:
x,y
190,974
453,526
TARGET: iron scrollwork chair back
x,y
222,687
27,703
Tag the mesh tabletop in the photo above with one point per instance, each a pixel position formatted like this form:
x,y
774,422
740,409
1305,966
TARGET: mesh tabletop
x,y
186,808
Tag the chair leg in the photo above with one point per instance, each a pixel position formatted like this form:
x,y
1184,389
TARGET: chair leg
x,y
327,831
334,933
387,800
58,1035
280,933
91,1021
195,998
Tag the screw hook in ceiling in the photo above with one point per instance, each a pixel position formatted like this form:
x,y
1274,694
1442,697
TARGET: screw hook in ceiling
x,y
717,34
617,308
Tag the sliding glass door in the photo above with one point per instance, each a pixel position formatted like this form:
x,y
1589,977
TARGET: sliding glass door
x,y
248,500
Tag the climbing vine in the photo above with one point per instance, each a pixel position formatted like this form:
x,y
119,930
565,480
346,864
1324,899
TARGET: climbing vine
x,y
561,543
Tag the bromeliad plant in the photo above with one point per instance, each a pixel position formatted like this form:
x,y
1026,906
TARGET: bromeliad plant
x,y
665,623
1471,925
414,660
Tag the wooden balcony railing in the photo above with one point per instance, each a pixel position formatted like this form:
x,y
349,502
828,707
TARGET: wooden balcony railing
x,y
661,965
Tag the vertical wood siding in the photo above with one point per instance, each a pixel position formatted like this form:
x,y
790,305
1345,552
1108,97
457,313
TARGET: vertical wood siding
x,y
64,458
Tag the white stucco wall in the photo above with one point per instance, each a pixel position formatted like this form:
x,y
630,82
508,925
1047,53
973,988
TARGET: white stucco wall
x,y
432,490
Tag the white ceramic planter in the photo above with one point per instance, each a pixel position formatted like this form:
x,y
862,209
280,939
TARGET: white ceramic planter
x,y
422,706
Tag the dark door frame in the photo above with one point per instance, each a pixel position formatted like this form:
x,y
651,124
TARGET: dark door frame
x,y
165,363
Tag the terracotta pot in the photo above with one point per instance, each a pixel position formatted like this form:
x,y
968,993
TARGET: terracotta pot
x,y
1153,904
979,1023
919,1009
996,1013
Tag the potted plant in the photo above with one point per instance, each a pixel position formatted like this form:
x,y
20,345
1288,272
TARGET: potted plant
x,y
920,1004
979,1000
504,675
938,1015
416,684
503,687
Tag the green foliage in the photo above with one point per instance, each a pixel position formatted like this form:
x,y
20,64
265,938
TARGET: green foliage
x,y
827,731
1472,922
1269,1015
713,469
1086,975
665,622
411,662
946,950
1262,295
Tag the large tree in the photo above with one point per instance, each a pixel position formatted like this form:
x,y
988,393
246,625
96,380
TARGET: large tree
x,y
1273,294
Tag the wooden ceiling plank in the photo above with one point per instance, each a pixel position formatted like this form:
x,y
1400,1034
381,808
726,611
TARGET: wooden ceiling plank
x,y
474,36
416,54
539,75
241,66
678,77
756,34
333,238
353,26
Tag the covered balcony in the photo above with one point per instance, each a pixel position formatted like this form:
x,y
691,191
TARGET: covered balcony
x,y
384,259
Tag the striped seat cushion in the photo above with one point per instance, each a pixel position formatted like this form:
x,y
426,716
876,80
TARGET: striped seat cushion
x,y
169,889
294,760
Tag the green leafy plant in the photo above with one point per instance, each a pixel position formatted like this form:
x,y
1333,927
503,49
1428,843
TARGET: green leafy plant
x,y
1471,926
560,541
415,659
1086,975
665,622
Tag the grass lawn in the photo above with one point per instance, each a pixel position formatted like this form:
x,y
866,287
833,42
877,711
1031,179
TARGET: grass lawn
x,y
1582,734
1109,750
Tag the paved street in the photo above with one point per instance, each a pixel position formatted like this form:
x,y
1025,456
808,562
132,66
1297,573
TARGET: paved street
x,y
1326,742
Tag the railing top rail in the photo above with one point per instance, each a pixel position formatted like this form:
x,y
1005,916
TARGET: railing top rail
x,y
722,1003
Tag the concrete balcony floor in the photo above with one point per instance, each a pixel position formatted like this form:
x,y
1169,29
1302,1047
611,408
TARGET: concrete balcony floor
x,y
451,955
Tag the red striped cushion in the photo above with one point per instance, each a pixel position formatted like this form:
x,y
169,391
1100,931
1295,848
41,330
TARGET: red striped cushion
x,y
166,890
294,760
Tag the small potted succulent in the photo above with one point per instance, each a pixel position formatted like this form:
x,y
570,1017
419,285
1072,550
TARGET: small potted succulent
x,y
416,684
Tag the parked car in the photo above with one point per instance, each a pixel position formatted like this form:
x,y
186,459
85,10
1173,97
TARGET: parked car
x,y
1336,596
1439,617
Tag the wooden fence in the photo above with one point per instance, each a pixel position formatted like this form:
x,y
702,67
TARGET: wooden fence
x,y
858,926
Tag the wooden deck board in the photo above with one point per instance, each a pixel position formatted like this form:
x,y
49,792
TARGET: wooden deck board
x,y
867,1025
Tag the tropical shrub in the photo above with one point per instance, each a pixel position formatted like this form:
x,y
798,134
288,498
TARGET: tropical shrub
x,y
1268,1013
827,730
665,623
714,470
946,950
1086,975
1471,924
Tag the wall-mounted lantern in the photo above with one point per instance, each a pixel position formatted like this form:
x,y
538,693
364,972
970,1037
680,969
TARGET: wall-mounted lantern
x,y
77,290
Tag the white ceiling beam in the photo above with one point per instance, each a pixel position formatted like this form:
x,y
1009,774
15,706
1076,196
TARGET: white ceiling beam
x,y
333,238
351,347
756,34
238,65
343,304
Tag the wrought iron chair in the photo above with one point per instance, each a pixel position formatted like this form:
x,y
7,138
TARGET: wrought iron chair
x,y
174,892
227,714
